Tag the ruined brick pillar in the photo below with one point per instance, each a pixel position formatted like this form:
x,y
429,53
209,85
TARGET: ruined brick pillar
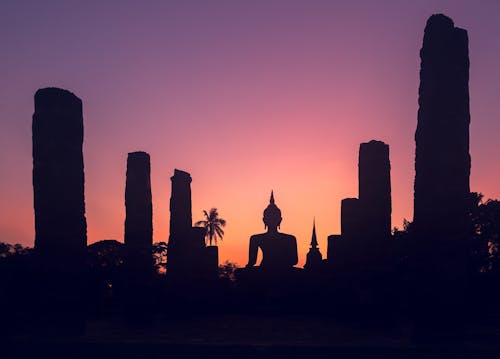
x,y
138,238
57,287
180,203
350,219
442,160
375,190
139,212
186,244
333,240
442,165
58,179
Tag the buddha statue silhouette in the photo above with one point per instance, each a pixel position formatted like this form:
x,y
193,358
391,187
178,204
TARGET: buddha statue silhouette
x,y
279,250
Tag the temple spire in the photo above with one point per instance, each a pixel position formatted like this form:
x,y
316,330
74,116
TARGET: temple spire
x,y
314,258
314,240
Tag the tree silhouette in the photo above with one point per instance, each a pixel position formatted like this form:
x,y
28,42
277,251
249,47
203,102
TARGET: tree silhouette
x,y
8,250
402,233
160,250
105,256
485,217
213,225
226,270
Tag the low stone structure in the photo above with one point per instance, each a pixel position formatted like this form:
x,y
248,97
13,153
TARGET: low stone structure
x,y
375,190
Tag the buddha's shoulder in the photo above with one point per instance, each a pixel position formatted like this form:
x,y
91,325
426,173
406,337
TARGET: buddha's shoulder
x,y
288,236
259,236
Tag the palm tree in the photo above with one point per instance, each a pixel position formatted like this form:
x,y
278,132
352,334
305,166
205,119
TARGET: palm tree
x,y
213,225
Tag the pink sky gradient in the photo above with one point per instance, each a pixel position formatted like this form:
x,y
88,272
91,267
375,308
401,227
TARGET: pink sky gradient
x,y
247,96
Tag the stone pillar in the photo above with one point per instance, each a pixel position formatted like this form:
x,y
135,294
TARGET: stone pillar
x,y
139,213
180,224
60,225
442,160
180,203
58,179
212,265
186,255
347,249
138,239
442,164
332,244
350,219
375,190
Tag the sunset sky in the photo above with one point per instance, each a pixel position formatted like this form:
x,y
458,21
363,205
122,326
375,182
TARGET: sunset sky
x,y
247,96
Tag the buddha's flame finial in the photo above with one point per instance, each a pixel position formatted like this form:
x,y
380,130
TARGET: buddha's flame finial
x,y
272,214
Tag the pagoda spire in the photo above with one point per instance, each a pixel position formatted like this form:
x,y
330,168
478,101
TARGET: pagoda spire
x,y
314,240
314,257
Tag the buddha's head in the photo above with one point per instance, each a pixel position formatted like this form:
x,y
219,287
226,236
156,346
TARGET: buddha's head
x,y
272,214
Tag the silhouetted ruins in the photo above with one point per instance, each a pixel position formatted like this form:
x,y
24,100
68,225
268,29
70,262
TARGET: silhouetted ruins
x,y
418,275
442,165
60,225
314,259
188,257
58,178
139,213
442,160
365,221
375,190
138,238
332,241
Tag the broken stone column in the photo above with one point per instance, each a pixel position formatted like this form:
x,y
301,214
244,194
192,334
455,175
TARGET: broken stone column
x,y
138,238
375,190
139,212
442,160
333,240
186,245
442,165
180,203
350,219
58,178
347,248
59,203
211,254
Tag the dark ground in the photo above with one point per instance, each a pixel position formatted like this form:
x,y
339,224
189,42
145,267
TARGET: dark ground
x,y
246,336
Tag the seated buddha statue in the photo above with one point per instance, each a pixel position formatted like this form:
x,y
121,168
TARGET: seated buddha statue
x,y
279,250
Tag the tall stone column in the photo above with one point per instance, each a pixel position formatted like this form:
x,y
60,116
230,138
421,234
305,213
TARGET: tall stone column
x,y
442,160
350,219
181,219
60,226
58,179
442,165
333,240
138,238
375,190
186,244
347,248
139,212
